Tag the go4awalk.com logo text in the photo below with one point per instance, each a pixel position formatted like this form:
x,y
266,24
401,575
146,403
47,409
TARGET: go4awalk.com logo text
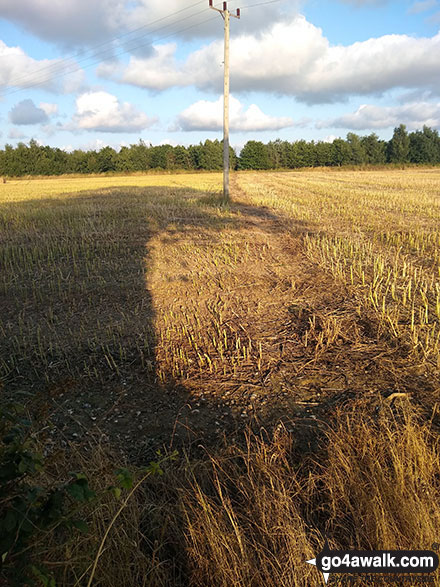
x,y
408,564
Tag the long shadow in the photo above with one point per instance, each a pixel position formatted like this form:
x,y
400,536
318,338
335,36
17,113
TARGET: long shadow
x,y
77,318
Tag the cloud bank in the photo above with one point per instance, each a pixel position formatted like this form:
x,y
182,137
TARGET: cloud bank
x,y
368,116
82,23
205,115
18,70
292,58
25,112
102,111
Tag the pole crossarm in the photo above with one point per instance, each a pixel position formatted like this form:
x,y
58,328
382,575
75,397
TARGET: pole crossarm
x,y
226,17
225,9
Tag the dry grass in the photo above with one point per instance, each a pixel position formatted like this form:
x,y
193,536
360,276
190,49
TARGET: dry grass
x,y
144,307
128,555
377,232
254,513
385,472
265,513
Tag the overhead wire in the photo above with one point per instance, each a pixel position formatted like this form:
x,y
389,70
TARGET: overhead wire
x,y
244,6
55,74
261,3
52,68
117,54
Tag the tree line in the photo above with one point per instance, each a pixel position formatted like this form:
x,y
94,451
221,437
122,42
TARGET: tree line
x,y
418,147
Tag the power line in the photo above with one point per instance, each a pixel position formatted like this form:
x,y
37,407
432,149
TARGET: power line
x,y
261,3
52,68
154,22
76,68
258,4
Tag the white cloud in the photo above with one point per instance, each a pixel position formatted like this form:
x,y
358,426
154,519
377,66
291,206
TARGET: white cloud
x,y
101,111
98,144
295,58
368,116
25,112
286,49
158,72
434,19
169,142
415,96
69,22
73,23
49,108
15,133
50,130
422,6
252,19
366,2
18,70
206,115
68,148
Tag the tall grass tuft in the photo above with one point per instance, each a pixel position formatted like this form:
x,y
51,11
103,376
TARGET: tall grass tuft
x,y
261,516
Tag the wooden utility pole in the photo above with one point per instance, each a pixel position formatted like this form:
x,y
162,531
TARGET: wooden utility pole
x,y
226,17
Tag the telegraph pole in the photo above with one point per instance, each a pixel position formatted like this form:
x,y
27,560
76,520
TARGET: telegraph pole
x,y
226,15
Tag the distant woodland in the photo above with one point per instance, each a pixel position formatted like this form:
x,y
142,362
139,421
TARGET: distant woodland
x,y
418,147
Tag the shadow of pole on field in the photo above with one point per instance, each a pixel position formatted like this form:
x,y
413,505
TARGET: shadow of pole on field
x,y
79,321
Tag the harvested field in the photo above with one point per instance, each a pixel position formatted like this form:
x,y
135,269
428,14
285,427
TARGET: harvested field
x,y
293,335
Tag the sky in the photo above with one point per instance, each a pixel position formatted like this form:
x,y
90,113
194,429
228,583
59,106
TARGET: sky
x,y
90,73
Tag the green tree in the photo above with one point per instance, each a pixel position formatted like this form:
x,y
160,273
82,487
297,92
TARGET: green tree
x,y
211,155
302,154
140,156
254,155
7,161
92,162
78,162
357,155
124,161
375,149
194,153
288,155
424,146
323,154
182,159
275,154
341,152
20,159
398,147
107,159
160,158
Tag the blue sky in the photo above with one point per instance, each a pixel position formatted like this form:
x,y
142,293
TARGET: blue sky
x,y
88,73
